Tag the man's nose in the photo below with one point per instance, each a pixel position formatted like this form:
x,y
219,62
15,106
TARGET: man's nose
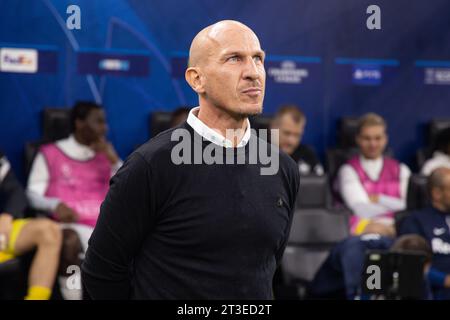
x,y
251,70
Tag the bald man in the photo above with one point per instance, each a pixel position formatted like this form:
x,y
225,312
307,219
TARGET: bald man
x,y
174,227
433,224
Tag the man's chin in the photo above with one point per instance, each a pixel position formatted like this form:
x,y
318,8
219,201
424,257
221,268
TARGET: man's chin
x,y
252,110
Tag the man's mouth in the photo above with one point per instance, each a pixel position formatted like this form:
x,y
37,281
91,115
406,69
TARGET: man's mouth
x,y
253,91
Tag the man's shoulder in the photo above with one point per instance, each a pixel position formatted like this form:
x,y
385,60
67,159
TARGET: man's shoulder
x,y
421,214
161,145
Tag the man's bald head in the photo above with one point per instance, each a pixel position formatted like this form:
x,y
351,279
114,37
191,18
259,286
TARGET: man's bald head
x,y
438,177
439,188
226,70
209,38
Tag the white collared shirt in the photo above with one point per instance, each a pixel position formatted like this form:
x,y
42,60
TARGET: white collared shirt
x,y
39,175
211,135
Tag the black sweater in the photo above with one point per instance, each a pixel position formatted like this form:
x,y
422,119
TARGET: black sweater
x,y
170,231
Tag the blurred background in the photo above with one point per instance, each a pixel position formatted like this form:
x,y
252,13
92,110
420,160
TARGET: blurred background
x,y
327,39
129,56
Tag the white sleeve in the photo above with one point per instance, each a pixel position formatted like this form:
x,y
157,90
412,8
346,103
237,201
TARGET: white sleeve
x,y
37,186
5,166
116,167
393,203
354,195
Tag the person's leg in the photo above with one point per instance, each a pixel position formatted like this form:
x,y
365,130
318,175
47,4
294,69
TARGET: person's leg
x,y
84,233
45,236
72,255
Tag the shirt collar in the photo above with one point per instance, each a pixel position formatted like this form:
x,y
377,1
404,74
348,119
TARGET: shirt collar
x,y
209,134
76,150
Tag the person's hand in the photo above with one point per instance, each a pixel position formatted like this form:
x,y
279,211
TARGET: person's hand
x,y
65,214
374,198
5,229
447,281
104,146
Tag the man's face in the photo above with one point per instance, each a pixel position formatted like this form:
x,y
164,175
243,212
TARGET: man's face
x,y
94,127
233,73
290,133
372,141
442,195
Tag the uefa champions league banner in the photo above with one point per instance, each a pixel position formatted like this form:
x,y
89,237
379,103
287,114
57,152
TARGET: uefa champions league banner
x,y
293,70
128,63
28,59
431,72
365,72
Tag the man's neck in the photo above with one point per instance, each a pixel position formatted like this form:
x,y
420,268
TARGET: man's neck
x,y
221,121
439,207
78,138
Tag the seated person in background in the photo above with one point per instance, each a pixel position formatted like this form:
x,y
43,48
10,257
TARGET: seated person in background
x,y
291,122
339,277
70,177
441,155
373,186
179,116
433,224
19,236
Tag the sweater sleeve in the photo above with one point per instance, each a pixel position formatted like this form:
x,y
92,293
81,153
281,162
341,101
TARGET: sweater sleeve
x,y
124,222
294,184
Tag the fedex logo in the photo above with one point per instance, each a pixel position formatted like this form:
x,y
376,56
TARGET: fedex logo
x,y
18,60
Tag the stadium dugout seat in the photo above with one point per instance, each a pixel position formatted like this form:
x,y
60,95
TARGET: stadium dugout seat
x,y
55,126
435,126
318,227
417,198
55,123
345,146
313,233
314,192
335,158
12,280
417,194
432,130
347,129
159,122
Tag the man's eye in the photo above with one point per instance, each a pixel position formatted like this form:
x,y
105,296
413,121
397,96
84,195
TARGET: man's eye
x,y
233,59
258,58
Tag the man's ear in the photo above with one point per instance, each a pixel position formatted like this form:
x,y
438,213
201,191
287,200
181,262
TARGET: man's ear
x,y
194,78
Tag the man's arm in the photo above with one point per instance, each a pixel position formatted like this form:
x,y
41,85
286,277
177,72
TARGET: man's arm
x,y
126,218
37,186
294,184
393,203
11,191
354,195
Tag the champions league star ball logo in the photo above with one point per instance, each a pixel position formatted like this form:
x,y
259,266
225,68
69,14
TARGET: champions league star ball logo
x,y
288,73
